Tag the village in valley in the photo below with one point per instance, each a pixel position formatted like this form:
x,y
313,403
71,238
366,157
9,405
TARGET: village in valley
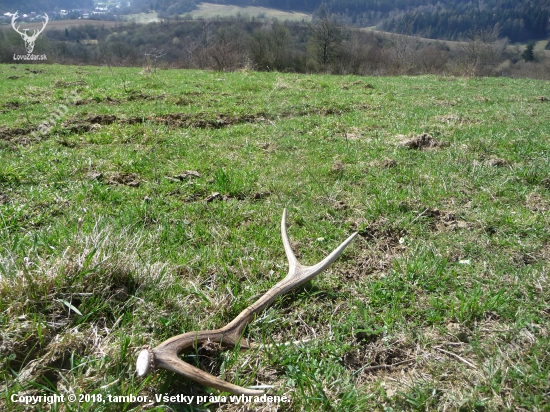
x,y
103,10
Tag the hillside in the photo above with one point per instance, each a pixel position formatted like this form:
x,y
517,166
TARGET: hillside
x,y
138,205
450,19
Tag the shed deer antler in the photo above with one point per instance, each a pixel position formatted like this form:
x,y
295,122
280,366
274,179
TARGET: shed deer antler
x,y
29,40
165,355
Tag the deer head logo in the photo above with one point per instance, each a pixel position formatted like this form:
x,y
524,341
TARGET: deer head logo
x,y
29,40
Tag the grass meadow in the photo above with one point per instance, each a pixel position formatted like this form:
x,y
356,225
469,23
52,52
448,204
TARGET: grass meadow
x,y
152,207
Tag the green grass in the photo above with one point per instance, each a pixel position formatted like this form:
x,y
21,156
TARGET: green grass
x,y
212,11
106,244
143,17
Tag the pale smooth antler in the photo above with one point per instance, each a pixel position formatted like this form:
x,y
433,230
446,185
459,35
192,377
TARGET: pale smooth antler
x,y
29,40
165,355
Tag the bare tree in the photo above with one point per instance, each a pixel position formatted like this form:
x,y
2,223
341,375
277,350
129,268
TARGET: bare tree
x,y
197,49
482,51
228,52
151,60
433,59
270,46
326,38
404,49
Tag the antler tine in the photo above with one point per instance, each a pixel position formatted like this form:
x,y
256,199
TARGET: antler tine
x,y
304,273
165,355
326,262
293,263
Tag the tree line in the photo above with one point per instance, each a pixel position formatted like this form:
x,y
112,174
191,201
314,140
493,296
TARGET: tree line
x,y
323,46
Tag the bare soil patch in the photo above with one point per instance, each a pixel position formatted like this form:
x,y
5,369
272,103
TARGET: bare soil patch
x,y
136,95
186,175
444,221
421,142
121,178
175,120
78,126
384,164
374,358
358,83
115,178
203,121
106,100
62,84
216,196
384,245
17,135
536,203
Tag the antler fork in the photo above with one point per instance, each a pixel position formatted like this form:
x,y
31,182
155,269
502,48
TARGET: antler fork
x,y
165,355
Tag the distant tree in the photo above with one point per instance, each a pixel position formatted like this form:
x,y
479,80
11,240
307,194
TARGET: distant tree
x,y
326,37
228,51
433,58
482,50
404,48
528,54
269,46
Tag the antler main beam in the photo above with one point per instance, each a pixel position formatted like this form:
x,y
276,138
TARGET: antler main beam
x,y
165,355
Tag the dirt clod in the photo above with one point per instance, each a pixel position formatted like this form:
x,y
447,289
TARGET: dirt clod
x,y
213,196
127,179
102,119
340,205
420,142
61,83
388,163
260,195
337,167
444,221
497,162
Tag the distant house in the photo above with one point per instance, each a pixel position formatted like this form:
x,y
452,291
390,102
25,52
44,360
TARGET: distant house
x,y
85,15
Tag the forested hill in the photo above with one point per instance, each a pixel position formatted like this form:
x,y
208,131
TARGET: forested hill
x,y
519,21
444,19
